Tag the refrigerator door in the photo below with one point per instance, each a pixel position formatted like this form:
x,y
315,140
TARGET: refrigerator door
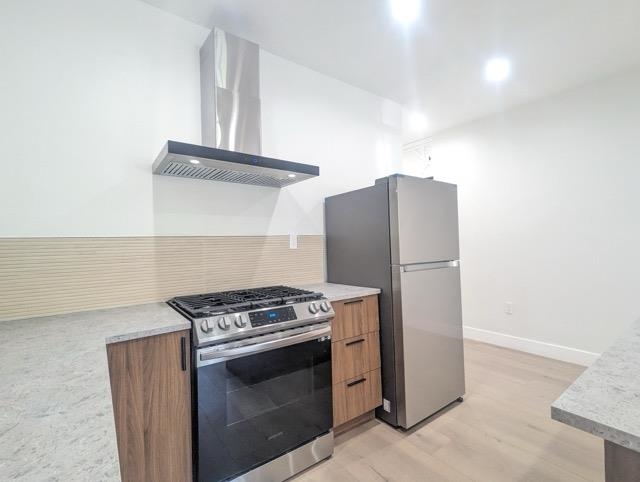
x,y
432,368
424,220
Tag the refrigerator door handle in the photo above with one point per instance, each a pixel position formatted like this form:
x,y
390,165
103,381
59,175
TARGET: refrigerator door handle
x,y
407,268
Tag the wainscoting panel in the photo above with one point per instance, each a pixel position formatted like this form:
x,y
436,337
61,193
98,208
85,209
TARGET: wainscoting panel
x,y
46,276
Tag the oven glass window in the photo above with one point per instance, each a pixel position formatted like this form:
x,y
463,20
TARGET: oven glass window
x,y
254,408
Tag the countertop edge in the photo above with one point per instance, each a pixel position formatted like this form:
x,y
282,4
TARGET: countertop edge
x,y
340,292
368,292
135,335
612,434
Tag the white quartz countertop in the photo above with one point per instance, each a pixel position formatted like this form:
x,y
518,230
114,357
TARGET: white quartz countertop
x,y
605,399
337,292
56,416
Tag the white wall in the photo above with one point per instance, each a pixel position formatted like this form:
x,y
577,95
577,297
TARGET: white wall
x,y
91,90
549,203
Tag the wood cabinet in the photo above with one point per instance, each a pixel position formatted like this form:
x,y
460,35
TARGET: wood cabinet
x,y
356,396
355,355
150,387
355,317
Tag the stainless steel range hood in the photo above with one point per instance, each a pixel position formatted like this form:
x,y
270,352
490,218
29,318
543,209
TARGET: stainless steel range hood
x,y
231,134
202,162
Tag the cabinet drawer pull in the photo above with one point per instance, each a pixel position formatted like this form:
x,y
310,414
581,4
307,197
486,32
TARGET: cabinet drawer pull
x,y
353,301
183,354
354,342
356,382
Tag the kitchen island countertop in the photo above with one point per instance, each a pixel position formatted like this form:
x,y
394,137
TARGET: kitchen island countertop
x,y
605,399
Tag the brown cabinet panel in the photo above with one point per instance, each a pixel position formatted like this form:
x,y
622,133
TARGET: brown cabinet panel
x,y
374,350
375,389
354,317
355,359
356,396
353,356
150,388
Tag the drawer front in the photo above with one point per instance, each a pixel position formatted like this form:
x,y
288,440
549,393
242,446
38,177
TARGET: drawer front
x,y
356,396
354,317
354,356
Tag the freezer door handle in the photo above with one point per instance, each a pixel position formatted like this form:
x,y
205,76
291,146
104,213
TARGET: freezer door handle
x,y
407,268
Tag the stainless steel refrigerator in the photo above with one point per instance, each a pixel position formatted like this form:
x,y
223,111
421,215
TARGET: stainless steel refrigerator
x,y
401,235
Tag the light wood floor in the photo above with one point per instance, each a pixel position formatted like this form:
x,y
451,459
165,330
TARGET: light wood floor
x,y
501,432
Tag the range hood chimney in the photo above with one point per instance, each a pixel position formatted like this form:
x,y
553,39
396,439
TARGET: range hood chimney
x,y
230,93
231,126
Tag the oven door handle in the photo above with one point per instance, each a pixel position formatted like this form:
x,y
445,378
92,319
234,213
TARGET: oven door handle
x,y
216,356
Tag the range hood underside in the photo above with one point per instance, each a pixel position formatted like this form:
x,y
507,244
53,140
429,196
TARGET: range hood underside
x,y
201,162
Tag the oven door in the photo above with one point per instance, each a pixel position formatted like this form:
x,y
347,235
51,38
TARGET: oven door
x,y
257,402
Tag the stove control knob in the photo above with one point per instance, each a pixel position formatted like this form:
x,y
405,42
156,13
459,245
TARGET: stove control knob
x,y
206,326
240,321
324,306
223,323
313,308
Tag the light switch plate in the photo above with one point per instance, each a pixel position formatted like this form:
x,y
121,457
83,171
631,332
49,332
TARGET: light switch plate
x,y
293,241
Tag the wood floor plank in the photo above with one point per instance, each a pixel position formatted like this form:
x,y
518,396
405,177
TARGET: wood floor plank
x,y
501,432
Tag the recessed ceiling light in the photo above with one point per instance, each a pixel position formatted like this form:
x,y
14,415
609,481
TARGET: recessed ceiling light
x,y
194,161
417,122
405,11
497,69
291,175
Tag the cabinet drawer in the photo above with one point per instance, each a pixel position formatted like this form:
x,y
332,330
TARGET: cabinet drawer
x,y
354,317
353,356
353,397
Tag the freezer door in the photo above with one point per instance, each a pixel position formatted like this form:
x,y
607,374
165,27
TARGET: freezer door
x,y
426,220
432,351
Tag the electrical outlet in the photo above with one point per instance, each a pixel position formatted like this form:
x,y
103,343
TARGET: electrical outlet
x,y
386,405
293,241
508,308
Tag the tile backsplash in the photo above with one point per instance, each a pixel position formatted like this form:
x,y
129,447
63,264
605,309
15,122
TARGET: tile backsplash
x,y
46,276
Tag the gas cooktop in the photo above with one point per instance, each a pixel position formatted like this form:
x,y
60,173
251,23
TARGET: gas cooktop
x,y
208,304
233,315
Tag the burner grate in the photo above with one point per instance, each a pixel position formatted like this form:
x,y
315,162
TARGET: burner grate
x,y
202,305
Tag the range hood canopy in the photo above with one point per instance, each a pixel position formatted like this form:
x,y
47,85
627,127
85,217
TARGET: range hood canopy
x,y
230,111
202,162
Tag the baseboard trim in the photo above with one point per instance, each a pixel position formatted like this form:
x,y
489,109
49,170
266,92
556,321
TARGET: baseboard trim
x,y
360,419
541,348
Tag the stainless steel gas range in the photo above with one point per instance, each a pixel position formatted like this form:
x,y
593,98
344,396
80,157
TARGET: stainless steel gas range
x,y
261,382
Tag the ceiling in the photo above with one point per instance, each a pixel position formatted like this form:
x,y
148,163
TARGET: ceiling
x,y
435,65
